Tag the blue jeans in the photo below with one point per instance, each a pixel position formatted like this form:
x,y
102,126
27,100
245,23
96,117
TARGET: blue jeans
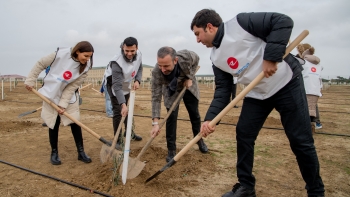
x,y
291,103
109,110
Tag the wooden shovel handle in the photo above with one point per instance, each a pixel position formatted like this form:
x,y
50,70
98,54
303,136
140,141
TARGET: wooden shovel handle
x,y
175,103
239,97
118,129
66,114
39,108
245,91
117,133
85,86
97,90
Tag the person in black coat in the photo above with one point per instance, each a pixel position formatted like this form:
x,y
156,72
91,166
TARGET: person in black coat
x,y
248,44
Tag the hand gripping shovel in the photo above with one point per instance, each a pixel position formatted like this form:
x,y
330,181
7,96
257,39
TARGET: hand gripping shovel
x,y
135,166
33,111
71,118
227,108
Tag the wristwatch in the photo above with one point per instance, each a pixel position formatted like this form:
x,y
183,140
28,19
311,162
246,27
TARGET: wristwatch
x,y
154,123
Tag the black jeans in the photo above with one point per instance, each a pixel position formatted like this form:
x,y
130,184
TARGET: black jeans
x,y
117,116
291,103
234,90
191,103
76,131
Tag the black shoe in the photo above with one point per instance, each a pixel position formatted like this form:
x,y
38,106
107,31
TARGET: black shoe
x,y
240,191
44,124
83,157
315,195
202,147
55,159
235,106
134,136
171,155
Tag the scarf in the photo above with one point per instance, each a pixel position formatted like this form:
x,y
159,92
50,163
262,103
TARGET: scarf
x,y
172,79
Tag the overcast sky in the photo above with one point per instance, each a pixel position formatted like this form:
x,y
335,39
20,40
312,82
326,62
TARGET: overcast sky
x,y
31,29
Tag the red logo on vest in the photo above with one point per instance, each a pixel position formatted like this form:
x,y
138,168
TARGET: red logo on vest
x,y
133,74
232,62
67,75
313,69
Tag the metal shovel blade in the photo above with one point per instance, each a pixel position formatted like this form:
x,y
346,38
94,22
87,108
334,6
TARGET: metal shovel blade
x,y
107,153
135,167
26,113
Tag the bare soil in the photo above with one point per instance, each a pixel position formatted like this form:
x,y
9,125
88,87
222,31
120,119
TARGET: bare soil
x,y
24,142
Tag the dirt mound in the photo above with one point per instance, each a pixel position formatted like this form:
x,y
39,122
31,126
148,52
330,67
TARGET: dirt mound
x,y
11,126
184,173
271,121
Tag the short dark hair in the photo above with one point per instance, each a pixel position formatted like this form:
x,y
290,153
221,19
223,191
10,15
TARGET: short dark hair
x,y
205,16
130,41
164,51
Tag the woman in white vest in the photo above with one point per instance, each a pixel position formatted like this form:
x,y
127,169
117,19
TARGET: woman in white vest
x,y
311,75
68,69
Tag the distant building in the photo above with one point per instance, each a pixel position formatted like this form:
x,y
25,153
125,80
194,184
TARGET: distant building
x,y
205,78
13,77
95,75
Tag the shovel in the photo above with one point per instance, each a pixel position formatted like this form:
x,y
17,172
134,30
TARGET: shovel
x,y
227,108
135,166
109,152
96,90
33,111
71,118
29,112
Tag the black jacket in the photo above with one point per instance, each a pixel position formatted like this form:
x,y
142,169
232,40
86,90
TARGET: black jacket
x,y
275,29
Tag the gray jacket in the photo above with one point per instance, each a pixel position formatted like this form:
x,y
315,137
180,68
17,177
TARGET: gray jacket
x,y
188,61
117,78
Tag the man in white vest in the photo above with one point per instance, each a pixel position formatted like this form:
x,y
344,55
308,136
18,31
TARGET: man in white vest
x,y
312,79
124,68
243,47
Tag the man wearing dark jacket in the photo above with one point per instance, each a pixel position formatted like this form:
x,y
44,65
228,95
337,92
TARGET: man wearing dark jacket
x,y
243,47
173,71
123,68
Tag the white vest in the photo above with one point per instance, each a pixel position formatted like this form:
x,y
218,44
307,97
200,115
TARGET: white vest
x,y
64,70
311,75
241,54
108,72
129,70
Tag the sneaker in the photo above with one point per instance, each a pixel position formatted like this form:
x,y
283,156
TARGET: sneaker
x,y
318,125
44,124
110,116
240,191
